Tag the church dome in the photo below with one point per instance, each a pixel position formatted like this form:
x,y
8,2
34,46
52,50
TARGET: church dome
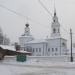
x,y
27,25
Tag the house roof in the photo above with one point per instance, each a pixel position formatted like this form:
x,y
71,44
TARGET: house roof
x,y
12,51
22,51
42,40
12,48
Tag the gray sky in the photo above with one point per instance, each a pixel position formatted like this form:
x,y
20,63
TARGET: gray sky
x,y
13,25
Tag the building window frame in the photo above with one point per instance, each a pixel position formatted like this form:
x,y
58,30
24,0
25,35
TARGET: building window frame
x,y
33,49
56,49
39,49
36,49
48,49
54,30
52,49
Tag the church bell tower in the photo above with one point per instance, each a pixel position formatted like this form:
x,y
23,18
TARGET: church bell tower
x,y
55,26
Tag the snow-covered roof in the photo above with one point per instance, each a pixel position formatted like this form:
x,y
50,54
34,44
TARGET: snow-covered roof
x,y
23,36
21,51
52,38
12,48
38,41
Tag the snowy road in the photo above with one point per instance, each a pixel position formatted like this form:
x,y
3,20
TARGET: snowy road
x,y
37,68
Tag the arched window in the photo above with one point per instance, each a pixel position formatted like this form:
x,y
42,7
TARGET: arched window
x,y
52,49
63,44
39,49
56,49
36,49
48,49
54,30
33,49
54,20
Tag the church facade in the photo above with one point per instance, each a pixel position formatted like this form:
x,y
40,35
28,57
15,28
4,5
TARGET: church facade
x,y
53,46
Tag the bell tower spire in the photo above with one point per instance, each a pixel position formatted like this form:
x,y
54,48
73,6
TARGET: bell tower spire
x,y
55,26
54,11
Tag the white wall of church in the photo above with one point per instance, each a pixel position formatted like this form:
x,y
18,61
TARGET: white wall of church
x,y
63,46
38,49
54,45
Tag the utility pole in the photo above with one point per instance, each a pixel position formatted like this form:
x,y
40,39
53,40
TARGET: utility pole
x,y
71,45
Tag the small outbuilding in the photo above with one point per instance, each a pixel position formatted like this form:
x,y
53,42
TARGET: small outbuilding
x,y
11,51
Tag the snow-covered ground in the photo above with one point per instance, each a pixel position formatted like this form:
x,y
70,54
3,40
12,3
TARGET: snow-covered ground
x,y
16,70
35,67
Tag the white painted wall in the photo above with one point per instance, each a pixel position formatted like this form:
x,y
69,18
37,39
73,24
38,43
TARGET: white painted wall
x,y
45,46
42,46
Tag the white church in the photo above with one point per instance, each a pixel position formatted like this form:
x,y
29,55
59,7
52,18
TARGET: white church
x,y
53,46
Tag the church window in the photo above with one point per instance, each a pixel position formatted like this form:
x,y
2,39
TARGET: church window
x,y
48,49
39,49
54,20
56,49
54,30
63,44
52,49
36,49
33,49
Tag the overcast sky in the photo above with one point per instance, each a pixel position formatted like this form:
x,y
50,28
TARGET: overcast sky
x,y
40,23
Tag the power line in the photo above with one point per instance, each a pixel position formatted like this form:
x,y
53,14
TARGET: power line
x,y
19,14
45,8
49,11
65,30
2,6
